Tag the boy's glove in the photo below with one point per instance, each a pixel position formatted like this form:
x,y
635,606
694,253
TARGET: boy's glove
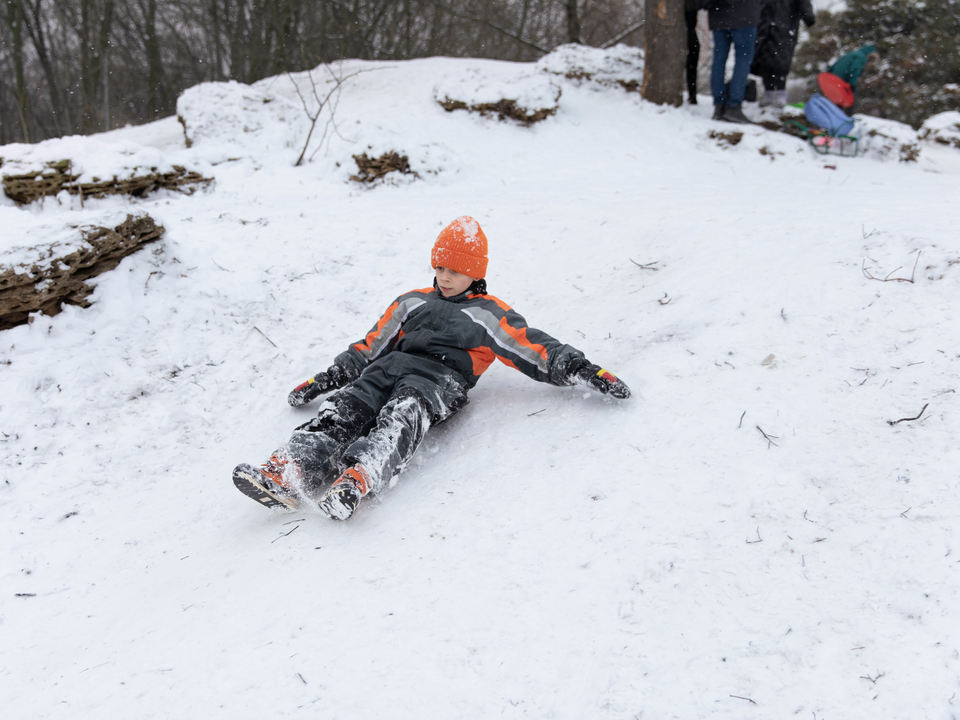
x,y
335,377
584,372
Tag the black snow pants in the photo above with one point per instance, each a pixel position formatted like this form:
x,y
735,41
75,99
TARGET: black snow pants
x,y
378,420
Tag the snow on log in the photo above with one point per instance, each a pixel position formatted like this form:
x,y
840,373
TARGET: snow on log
x,y
492,90
619,66
943,128
59,271
25,188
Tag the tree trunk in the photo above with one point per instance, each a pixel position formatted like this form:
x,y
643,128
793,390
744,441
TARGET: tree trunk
x,y
104,52
156,98
664,52
240,44
15,21
94,36
573,22
35,26
88,73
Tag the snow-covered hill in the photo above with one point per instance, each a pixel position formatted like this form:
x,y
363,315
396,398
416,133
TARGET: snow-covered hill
x,y
752,535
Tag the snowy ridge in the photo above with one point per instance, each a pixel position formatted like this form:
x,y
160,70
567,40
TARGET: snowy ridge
x,y
761,531
491,81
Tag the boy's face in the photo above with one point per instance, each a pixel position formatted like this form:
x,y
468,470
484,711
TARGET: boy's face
x,y
451,282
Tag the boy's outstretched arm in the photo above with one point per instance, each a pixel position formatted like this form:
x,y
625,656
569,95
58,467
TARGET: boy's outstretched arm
x,y
334,377
540,356
583,372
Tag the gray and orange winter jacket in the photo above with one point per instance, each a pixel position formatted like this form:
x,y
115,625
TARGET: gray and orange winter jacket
x,y
465,333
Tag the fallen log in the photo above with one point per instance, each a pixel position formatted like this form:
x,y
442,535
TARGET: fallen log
x,y
372,169
55,281
26,188
503,109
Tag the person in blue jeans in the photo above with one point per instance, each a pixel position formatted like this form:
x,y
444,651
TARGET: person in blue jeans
x,y
734,23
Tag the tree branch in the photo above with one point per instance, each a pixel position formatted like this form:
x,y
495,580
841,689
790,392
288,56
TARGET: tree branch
x,y
894,422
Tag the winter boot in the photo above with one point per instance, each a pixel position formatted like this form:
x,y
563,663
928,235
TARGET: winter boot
x,y
718,112
778,99
266,483
734,114
341,500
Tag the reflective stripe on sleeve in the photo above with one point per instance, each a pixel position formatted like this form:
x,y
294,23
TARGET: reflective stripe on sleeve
x,y
389,330
489,322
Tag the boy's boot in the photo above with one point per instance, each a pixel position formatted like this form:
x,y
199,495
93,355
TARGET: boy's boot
x,y
718,112
266,483
341,500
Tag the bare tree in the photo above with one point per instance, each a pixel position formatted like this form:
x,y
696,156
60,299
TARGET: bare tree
x,y
664,45
15,20
70,66
573,22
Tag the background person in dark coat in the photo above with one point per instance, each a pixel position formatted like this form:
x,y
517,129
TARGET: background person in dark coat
x,y
776,40
690,10
733,22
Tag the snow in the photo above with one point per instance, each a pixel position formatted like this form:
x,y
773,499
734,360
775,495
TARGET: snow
x,y
489,81
620,65
943,128
747,536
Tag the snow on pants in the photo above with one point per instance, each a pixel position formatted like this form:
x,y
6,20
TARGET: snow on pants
x,y
379,420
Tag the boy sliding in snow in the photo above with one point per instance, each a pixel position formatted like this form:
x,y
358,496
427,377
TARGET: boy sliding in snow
x,y
411,371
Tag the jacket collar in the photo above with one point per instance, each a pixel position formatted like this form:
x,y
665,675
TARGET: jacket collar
x,y
478,287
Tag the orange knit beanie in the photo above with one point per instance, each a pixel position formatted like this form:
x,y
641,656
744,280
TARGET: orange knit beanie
x,y
462,247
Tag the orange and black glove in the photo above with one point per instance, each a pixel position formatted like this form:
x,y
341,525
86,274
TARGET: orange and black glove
x,y
583,372
334,377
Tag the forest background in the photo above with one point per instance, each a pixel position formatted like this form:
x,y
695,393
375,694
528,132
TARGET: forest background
x,y
83,66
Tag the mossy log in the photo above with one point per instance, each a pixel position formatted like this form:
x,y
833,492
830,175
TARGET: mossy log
x,y
47,286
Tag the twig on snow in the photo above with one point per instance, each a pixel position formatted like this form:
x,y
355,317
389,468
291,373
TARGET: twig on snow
x,y
894,422
866,273
741,419
758,540
770,438
261,332
283,536
648,266
738,697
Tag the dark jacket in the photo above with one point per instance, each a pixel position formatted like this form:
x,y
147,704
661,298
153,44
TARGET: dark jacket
x,y
465,333
777,35
733,14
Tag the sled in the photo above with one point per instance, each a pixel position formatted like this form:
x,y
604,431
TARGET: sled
x,y
830,131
